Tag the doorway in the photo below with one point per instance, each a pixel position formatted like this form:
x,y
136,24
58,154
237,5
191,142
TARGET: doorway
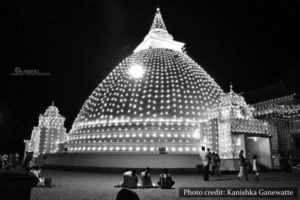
x,y
261,147
297,141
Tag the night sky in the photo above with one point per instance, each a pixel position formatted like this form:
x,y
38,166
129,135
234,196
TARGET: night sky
x,y
251,44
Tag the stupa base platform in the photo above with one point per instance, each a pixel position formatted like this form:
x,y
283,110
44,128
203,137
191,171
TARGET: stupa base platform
x,y
118,162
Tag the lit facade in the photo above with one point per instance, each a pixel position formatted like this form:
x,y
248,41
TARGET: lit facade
x,y
47,136
159,97
281,109
156,97
284,114
236,125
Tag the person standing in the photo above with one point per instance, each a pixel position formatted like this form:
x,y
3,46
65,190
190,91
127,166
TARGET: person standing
x,y
25,159
17,159
5,161
202,158
28,163
218,164
249,162
206,165
213,163
242,163
255,167
45,160
2,161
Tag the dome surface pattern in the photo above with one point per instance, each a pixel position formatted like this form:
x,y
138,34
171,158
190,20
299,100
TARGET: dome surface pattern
x,y
154,98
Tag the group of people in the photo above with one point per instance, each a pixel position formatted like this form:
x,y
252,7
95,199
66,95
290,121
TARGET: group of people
x,y
30,165
210,163
130,180
247,165
9,160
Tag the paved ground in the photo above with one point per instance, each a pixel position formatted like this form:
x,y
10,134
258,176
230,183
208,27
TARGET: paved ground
x,y
83,186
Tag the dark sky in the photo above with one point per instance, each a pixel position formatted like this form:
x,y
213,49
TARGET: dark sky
x,y
252,44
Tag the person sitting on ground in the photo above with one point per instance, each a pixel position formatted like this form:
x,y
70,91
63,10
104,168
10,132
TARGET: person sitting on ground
x,y
146,179
36,171
130,179
165,180
126,176
125,194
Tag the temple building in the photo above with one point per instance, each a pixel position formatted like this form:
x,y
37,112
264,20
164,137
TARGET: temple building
x,y
157,108
157,97
280,107
48,135
239,130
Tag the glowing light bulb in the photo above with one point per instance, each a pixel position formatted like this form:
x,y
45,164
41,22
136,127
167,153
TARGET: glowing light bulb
x,y
136,71
196,134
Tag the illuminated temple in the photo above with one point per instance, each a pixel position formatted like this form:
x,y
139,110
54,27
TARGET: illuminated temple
x,y
50,133
159,107
157,97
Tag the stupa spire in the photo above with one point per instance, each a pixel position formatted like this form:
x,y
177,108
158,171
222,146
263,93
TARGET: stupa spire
x,y
158,22
158,36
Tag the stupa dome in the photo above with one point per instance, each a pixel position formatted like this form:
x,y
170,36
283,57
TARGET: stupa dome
x,y
155,97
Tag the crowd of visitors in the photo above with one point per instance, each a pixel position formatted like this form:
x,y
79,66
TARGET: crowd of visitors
x,y
248,165
29,163
8,161
211,163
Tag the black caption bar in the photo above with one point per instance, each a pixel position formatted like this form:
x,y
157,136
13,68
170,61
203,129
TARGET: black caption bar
x,y
237,192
